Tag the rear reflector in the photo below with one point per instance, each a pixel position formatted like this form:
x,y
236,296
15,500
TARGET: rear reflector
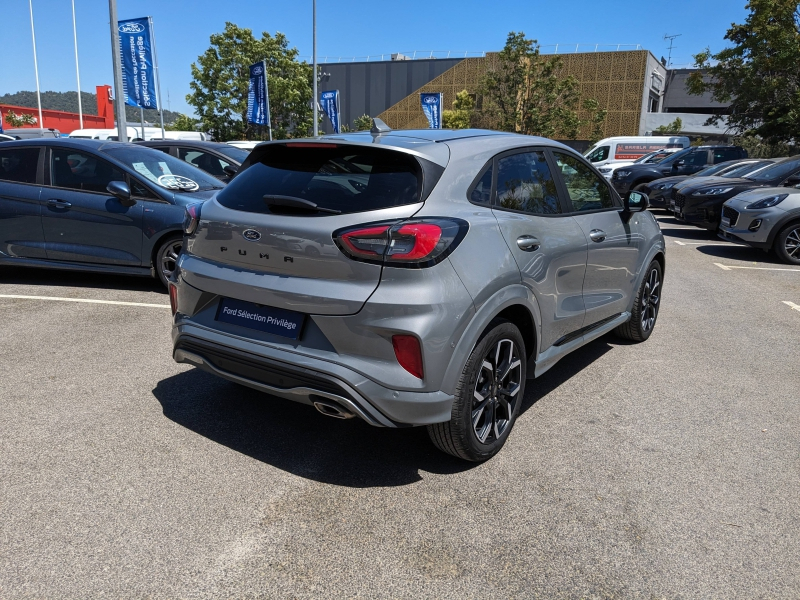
x,y
173,298
408,353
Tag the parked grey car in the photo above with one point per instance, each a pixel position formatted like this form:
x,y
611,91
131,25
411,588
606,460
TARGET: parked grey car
x,y
467,262
766,218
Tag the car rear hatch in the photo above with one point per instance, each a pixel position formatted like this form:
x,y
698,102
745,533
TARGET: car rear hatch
x,y
268,236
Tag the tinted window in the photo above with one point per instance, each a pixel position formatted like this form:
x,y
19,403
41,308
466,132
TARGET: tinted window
x,y
204,161
724,154
698,158
778,171
481,193
524,182
162,169
599,154
344,178
717,169
587,190
236,154
139,190
81,171
680,154
746,168
19,164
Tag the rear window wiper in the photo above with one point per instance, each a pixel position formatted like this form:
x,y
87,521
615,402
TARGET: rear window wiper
x,y
293,202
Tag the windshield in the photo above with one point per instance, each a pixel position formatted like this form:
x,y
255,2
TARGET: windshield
x,y
162,169
747,168
677,156
236,154
777,171
597,154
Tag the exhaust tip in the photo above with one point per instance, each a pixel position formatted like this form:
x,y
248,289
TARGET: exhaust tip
x,y
331,409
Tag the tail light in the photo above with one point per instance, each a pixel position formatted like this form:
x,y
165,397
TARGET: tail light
x,y
408,353
413,243
173,297
191,218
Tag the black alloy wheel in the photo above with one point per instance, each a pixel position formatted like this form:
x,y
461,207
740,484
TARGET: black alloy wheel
x,y
645,307
167,258
488,396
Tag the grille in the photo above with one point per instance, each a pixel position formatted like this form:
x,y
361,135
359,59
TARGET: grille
x,y
258,369
731,214
680,200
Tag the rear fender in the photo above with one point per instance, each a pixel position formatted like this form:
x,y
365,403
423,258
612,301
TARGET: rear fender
x,y
509,296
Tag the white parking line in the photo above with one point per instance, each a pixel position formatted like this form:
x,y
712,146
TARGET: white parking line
x,y
87,300
792,305
729,267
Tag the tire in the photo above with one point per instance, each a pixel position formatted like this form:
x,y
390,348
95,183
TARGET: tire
x,y
645,307
166,256
489,398
787,244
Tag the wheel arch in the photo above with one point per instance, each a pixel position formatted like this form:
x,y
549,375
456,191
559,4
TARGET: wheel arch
x,y
788,219
176,233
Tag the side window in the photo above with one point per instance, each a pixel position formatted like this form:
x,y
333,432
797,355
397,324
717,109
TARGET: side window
x,y
81,171
723,154
586,189
524,182
19,164
203,161
599,154
698,159
140,190
481,193
164,149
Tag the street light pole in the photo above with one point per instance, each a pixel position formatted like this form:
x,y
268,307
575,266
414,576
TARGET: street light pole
x,y
36,66
314,60
119,94
77,68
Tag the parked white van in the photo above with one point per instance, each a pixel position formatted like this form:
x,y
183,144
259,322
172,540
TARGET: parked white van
x,y
631,148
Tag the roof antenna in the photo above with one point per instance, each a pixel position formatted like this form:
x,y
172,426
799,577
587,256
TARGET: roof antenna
x,y
379,127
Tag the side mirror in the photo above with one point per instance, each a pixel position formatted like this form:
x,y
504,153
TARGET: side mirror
x,y
636,202
121,191
678,163
230,170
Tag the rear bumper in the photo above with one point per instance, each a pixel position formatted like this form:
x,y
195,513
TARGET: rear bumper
x,y
305,379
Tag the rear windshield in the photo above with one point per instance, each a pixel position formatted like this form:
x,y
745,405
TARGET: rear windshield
x,y
347,179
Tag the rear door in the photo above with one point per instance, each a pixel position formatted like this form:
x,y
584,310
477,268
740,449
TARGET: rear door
x,y
257,242
21,232
614,242
82,222
549,246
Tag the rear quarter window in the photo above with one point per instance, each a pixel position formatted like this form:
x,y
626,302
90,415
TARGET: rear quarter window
x,y
348,179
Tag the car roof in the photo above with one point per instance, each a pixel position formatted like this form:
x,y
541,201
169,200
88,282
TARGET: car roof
x,y
87,144
195,143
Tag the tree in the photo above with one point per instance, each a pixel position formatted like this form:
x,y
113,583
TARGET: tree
x,y
670,128
362,123
461,115
220,81
182,123
526,92
20,120
759,74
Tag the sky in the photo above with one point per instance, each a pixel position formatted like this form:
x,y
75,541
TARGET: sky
x,y
346,29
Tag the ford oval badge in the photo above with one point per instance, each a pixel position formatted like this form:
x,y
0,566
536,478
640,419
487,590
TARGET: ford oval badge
x,y
251,235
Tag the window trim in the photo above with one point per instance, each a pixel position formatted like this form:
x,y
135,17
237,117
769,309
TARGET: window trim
x,y
488,166
524,150
39,166
617,201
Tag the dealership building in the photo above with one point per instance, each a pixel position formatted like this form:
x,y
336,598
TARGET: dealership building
x,y
636,89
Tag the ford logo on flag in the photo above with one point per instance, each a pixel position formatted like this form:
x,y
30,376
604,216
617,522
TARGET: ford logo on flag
x,y
251,235
131,28
430,100
257,71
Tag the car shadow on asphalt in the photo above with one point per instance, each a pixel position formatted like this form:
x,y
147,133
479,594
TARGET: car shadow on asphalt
x,y
58,278
297,439
741,253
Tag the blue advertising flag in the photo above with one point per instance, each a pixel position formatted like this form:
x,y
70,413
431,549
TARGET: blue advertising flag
x,y
1,121
432,107
136,49
330,104
258,95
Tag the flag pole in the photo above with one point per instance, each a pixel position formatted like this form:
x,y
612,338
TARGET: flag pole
x,y
36,66
314,58
77,68
158,77
119,94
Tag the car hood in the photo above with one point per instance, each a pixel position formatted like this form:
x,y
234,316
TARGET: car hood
x,y
742,200
711,182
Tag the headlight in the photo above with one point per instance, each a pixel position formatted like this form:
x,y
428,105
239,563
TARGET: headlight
x,y
767,202
605,170
661,186
623,172
717,191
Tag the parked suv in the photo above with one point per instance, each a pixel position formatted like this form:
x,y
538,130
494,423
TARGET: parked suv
x,y
463,263
685,162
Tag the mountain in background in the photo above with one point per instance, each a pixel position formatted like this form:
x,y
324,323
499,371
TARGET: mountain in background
x,y
68,102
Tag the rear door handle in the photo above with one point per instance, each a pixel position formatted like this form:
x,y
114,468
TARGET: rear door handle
x,y
527,243
59,203
597,235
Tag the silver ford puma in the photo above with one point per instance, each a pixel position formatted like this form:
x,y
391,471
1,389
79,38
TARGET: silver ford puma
x,y
412,277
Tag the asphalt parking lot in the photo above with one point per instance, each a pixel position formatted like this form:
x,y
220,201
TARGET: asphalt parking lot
x,y
668,469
